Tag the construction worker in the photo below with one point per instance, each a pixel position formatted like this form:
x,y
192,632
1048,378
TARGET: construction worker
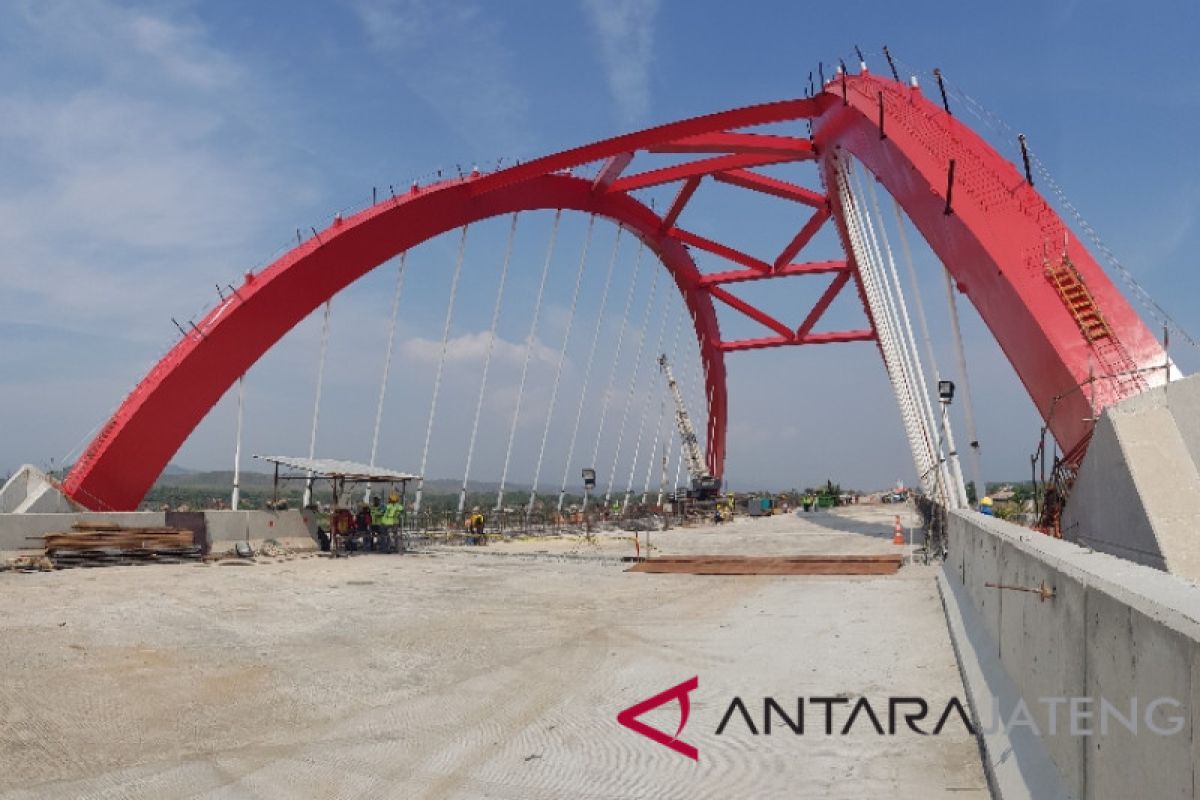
x,y
392,512
362,525
341,526
377,514
476,525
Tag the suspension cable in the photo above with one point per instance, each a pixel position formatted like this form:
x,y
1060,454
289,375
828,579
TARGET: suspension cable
x,y
562,360
387,363
237,446
883,324
612,372
662,406
921,386
587,372
910,384
312,439
487,361
637,363
537,310
637,447
687,382
948,477
437,378
918,300
967,404
976,465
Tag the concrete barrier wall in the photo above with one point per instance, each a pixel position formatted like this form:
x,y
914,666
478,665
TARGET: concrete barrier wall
x,y
1113,631
291,528
24,531
1138,491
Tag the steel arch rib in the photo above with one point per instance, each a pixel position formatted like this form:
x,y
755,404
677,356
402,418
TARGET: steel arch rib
x,y
125,459
121,463
994,235
994,242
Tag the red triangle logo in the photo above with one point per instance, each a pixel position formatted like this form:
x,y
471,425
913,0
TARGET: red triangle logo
x,y
629,717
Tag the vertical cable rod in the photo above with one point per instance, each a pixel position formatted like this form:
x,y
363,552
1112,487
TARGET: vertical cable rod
x,y
437,377
883,324
562,360
921,386
612,372
662,406
529,342
967,403
908,383
387,363
649,396
587,372
237,446
312,439
637,363
687,384
487,361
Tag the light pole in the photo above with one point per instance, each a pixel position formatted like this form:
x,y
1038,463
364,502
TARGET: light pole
x,y
589,483
959,491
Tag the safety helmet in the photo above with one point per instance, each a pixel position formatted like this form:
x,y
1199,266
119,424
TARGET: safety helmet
x,y
393,498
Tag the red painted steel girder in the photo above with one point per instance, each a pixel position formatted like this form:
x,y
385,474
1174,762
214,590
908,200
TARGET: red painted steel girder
x,y
121,463
126,458
996,241
990,244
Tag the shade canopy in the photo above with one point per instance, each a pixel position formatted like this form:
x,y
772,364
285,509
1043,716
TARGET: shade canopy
x,y
334,468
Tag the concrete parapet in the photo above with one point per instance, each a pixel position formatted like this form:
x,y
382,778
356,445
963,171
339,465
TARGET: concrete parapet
x,y
1114,632
289,528
24,531
31,491
1138,491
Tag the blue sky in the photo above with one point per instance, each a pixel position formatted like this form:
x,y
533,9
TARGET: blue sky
x,y
151,150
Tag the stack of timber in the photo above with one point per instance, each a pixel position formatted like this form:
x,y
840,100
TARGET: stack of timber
x,y
91,544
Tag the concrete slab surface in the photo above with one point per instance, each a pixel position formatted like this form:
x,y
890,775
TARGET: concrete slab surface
x,y
452,675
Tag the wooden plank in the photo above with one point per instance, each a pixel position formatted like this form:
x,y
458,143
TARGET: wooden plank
x,y
882,564
94,545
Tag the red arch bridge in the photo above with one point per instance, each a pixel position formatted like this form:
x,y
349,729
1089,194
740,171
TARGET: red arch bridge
x,y
1070,335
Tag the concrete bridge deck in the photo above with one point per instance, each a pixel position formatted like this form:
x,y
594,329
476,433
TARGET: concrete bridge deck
x,y
459,675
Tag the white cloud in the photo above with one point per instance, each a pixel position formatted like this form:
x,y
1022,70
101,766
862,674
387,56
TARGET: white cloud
x,y
625,29
137,160
472,347
125,190
453,57
182,51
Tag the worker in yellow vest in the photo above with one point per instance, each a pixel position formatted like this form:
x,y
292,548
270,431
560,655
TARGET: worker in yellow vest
x,y
475,524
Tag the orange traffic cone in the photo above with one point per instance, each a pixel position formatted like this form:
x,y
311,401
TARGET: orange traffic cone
x,y
897,532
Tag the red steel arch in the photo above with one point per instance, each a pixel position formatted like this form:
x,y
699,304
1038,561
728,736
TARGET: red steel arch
x,y
1074,341
994,243
129,454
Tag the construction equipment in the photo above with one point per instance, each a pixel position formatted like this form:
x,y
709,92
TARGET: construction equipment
x,y
704,485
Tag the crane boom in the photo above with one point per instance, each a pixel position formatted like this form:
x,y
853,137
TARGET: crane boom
x,y
703,483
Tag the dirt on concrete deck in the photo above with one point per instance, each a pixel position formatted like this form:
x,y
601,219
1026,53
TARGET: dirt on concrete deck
x,y
457,675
